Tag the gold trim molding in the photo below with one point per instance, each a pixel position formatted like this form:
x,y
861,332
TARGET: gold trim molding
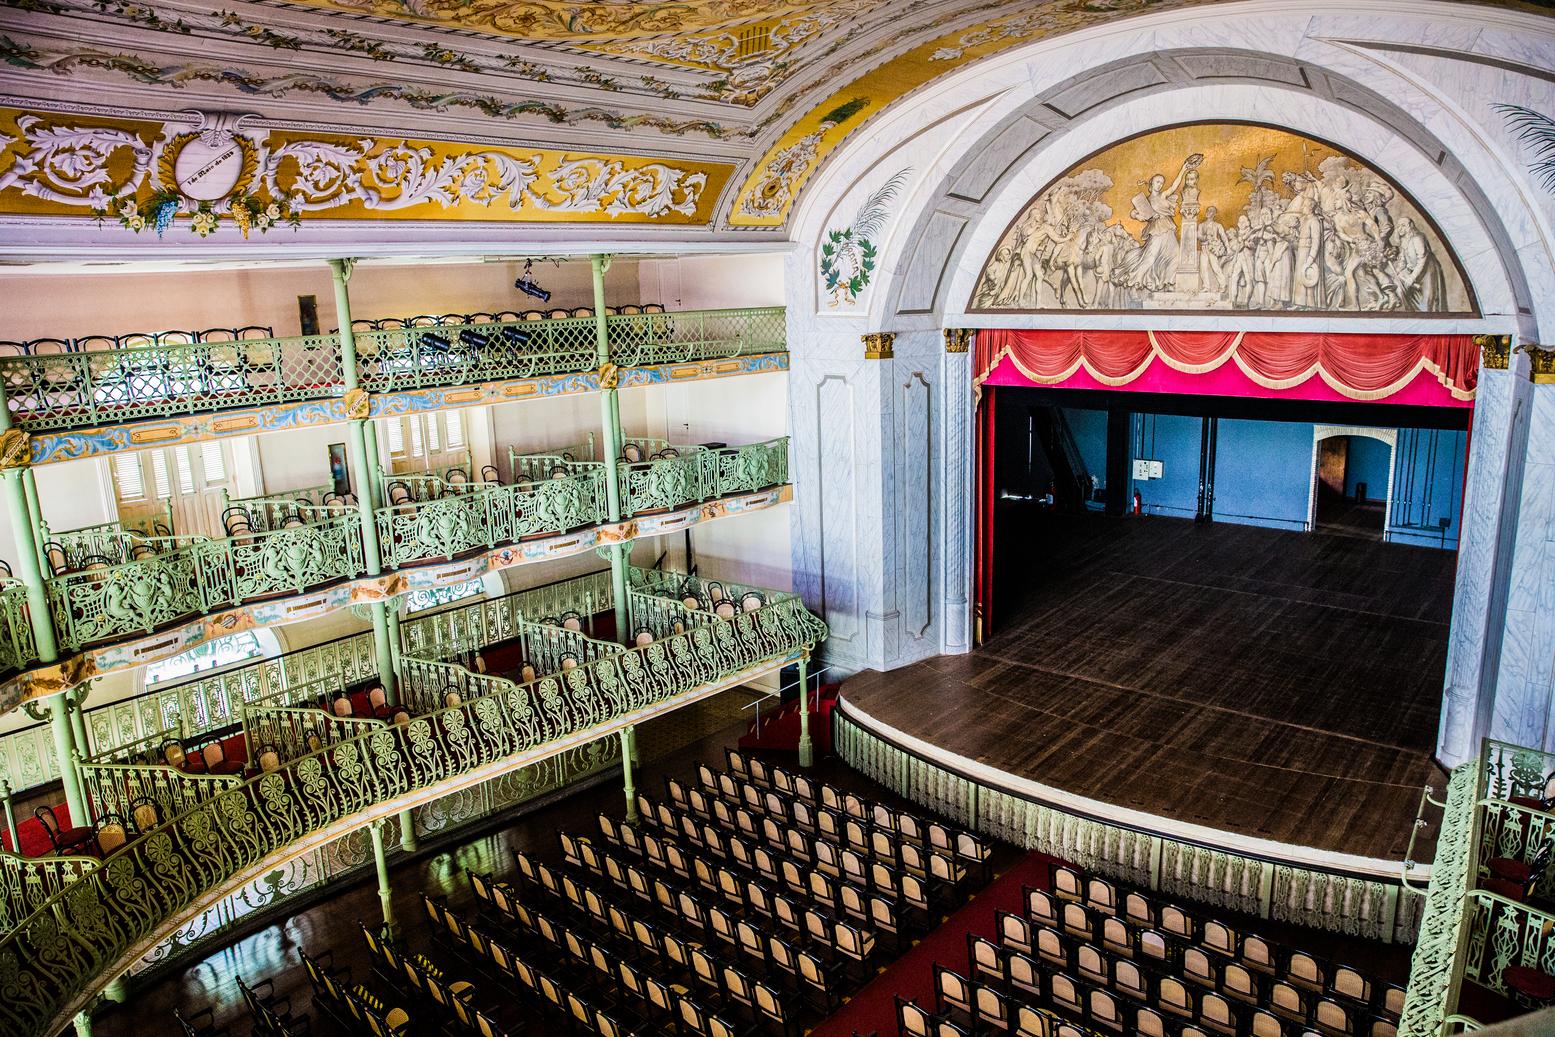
x,y
609,376
1495,351
1541,363
358,403
879,345
15,449
958,340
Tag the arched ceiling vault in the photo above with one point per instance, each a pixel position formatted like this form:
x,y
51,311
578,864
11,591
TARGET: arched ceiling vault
x,y
763,90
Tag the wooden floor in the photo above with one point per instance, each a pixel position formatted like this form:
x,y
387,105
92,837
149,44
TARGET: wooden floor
x,y
1279,685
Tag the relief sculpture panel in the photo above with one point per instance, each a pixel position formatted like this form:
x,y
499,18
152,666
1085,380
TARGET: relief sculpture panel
x,y
1223,217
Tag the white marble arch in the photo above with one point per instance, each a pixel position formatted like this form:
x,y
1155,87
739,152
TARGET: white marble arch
x,y
1030,113
1385,435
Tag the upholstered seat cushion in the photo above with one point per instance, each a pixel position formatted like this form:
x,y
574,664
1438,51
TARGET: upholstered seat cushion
x,y
1530,983
1511,869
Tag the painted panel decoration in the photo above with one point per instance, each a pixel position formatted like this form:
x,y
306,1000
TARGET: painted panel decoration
x,y
144,175
1230,217
849,251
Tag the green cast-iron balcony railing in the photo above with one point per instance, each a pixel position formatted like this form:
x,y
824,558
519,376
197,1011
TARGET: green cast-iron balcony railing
x,y
148,582
58,385
56,959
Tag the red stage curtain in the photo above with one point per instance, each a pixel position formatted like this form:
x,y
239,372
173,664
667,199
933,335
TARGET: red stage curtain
x,y
1362,367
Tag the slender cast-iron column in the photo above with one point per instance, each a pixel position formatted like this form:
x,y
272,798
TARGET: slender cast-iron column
x,y
35,510
806,747
361,472
380,858
627,737
610,419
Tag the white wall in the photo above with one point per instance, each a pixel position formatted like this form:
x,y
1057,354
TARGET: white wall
x,y
713,282
71,306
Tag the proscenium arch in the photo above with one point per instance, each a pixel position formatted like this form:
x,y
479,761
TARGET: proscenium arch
x,y
932,256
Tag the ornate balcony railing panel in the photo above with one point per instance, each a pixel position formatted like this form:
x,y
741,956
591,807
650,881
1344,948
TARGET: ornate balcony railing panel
x,y
465,629
122,789
1504,933
18,645
1436,970
71,387
27,883
462,354
666,338
319,694
147,749
352,855
660,617
194,575
100,387
292,732
277,510
56,958
753,467
533,467
488,515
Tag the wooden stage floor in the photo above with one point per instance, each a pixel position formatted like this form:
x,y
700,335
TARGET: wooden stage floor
x,y
1283,686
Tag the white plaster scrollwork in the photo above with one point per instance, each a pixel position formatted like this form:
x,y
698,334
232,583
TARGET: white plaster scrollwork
x,y
330,175
70,164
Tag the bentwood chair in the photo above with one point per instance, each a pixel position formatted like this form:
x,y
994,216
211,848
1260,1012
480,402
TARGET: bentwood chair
x,y
78,839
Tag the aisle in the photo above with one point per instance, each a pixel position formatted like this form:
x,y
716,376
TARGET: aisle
x,y
911,977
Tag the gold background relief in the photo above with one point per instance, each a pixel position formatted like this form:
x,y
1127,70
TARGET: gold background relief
x,y
1223,216
72,165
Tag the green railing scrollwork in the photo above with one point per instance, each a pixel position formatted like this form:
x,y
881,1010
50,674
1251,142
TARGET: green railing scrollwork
x,y
1436,969
642,340
27,883
54,960
121,788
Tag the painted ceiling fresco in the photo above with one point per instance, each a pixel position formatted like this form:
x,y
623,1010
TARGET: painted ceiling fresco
x,y
777,86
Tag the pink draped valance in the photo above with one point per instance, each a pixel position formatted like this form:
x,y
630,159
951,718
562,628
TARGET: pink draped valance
x,y
1360,367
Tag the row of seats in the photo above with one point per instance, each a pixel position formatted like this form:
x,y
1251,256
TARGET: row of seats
x,y
865,860
967,846
1098,900
1233,1001
354,1008
838,929
272,1014
453,1002
661,1006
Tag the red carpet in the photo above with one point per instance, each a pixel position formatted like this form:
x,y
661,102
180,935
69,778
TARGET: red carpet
x,y
873,1008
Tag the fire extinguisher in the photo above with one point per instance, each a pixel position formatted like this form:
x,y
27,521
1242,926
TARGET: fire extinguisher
x,y
1139,504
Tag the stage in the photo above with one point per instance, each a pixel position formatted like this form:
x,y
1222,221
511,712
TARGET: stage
x,y
1272,693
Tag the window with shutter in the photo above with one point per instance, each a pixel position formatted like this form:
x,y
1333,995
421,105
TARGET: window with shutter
x,y
455,429
215,464
185,471
160,481
126,472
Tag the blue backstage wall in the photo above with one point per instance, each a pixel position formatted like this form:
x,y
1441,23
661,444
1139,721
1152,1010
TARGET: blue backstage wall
x,y
1263,471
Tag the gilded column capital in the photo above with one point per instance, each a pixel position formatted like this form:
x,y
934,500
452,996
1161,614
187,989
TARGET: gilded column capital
x,y
1495,351
958,340
15,449
1541,363
359,404
879,345
609,375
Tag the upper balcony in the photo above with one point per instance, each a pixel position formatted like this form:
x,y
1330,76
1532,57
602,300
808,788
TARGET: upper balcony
x,y
64,385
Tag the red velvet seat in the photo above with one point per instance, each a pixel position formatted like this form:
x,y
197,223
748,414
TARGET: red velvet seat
x,y
216,761
1529,986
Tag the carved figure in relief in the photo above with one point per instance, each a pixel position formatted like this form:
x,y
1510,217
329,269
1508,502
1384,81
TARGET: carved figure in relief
x,y
1326,235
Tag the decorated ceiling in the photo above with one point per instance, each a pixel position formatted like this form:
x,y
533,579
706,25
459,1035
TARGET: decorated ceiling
x,y
708,112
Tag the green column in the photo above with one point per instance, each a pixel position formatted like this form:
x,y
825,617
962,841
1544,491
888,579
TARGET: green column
x,y
10,815
374,472
27,567
84,1023
78,720
361,463
380,858
626,769
610,420
806,747
65,751
35,510
408,841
